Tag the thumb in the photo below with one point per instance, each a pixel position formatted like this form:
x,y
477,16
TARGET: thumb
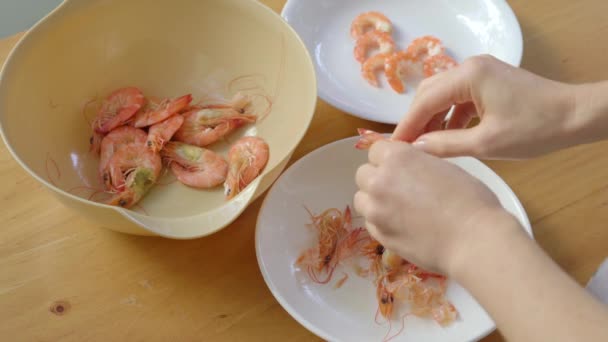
x,y
450,143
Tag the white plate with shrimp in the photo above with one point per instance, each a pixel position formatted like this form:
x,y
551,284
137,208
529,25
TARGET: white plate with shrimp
x,y
466,28
325,179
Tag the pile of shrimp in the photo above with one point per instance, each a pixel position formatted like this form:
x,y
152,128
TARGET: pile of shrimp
x,y
376,50
135,137
396,280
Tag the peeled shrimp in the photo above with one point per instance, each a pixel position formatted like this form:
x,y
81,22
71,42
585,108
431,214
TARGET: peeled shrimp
x,y
396,68
423,47
369,21
127,159
367,138
115,140
117,109
195,166
373,40
246,158
371,66
162,132
206,126
133,170
437,64
159,111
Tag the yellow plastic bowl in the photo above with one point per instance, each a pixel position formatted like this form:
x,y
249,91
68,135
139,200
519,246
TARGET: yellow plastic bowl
x,y
85,49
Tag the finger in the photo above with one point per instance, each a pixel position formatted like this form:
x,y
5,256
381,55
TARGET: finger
x,y
435,95
450,143
361,202
363,176
373,231
378,152
462,116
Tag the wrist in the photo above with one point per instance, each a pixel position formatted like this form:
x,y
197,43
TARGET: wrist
x,y
588,118
488,230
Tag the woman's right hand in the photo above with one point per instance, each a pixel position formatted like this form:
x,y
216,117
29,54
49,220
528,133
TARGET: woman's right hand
x,y
521,114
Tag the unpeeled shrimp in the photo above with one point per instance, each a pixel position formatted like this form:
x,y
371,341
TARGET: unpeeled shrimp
x,y
117,109
159,111
396,68
370,21
195,166
206,126
114,141
373,40
423,47
371,67
437,64
162,132
246,159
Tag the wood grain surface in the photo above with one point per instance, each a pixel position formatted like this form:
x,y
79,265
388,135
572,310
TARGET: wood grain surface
x,y
63,278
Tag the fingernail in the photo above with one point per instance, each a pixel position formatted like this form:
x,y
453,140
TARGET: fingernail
x,y
419,144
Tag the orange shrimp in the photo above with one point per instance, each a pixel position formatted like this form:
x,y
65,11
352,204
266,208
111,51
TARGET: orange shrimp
x,y
371,66
246,158
367,138
127,159
159,111
370,21
162,132
117,109
373,40
207,126
115,140
437,64
423,47
195,166
396,68
385,298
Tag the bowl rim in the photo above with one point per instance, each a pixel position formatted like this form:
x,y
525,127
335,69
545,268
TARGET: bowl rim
x,y
355,111
126,213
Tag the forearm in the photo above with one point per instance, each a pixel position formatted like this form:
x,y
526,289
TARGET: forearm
x,y
589,122
527,294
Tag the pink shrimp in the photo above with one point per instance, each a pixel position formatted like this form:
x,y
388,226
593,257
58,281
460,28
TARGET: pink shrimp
x,y
130,158
368,138
162,132
239,103
437,64
373,40
115,140
159,111
371,66
195,166
396,68
423,47
133,170
117,109
370,21
246,158
206,126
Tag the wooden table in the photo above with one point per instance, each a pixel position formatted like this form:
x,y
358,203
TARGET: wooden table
x,y
64,278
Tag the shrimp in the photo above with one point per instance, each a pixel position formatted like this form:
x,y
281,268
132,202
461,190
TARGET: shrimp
x,y
373,40
371,65
206,126
195,166
368,138
385,298
128,159
138,183
396,68
117,109
239,103
162,132
437,64
159,111
115,140
246,158
423,47
95,142
370,20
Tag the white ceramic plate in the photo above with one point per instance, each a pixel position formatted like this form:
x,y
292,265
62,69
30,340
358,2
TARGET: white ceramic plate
x,y
325,179
467,28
